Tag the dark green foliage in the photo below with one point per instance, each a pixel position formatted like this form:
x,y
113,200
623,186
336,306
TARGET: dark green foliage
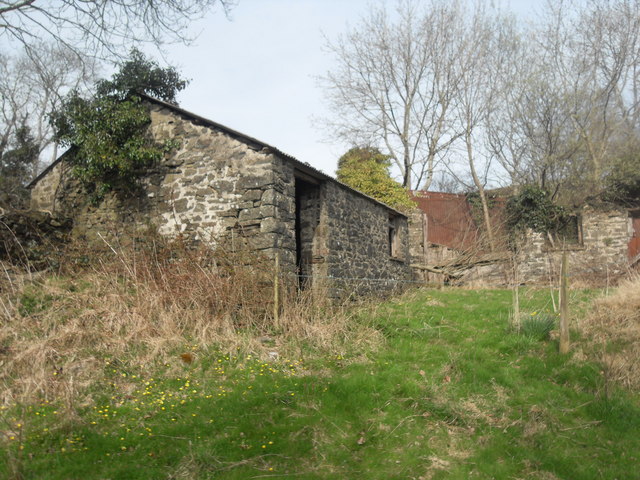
x,y
109,141
533,208
17,164
108,131
141,75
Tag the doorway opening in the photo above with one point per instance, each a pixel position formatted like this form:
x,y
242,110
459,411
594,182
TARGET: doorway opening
x,y
307,221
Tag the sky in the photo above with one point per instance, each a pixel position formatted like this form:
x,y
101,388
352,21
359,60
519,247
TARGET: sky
x,y
256,71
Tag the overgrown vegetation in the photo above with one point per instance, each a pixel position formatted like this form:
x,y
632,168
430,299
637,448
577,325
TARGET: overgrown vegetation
x,y
147,301
167,358
613,330
367,169
107,133
557,108
534,208
622,183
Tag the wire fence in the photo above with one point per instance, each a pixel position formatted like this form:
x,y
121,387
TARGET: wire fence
x,y
553,277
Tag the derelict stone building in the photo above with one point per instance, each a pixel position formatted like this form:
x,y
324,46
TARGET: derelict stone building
x,y
222,185
601,243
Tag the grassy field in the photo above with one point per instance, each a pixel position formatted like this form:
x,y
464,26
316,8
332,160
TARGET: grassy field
x,y
450,391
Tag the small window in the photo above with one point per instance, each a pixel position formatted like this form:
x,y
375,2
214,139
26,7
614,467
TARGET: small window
x,y
568,233
394,241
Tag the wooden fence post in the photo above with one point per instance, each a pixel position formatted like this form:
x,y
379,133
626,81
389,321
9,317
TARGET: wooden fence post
x,y
516,295
564,305
276,293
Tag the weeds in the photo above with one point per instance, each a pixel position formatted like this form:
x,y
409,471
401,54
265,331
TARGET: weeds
x,y
447,395
145,302
169,358
538,326
613,332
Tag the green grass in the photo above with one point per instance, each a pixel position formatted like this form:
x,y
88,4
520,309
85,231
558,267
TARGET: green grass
x,y
453,393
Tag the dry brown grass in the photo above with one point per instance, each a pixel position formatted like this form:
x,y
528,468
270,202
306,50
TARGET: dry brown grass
x,y
148,305
614,330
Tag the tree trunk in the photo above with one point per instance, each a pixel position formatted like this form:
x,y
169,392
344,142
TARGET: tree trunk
x,y
481,194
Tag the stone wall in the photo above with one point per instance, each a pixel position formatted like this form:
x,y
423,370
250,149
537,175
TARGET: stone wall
x,y
602,253
418,245
358,241
211,187
45,192
221,187
600,257
343,235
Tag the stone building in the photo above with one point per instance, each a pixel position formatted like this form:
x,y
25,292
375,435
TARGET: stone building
x,y
601,247
601,243
221,185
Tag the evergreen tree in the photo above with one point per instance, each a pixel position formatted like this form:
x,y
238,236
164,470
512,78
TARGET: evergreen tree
x,y
107,131
367,169
16,164
141,75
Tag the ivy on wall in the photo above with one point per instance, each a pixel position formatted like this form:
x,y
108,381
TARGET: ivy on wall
x,y
108,135
533,208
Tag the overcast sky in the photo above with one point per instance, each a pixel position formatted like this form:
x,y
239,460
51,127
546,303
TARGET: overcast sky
x,y
256,71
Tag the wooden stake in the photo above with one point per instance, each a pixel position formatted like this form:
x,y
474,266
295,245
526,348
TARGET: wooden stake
x,y
276,293
564,306
516,295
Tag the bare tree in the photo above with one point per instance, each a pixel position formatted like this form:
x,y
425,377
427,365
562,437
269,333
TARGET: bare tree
x,y
60,41
605,79
479,50
569,96
505,138
32,86
529,131
101,28
555,103
395,85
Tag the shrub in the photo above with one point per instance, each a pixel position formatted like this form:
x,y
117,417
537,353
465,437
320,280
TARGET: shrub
x,y
537,327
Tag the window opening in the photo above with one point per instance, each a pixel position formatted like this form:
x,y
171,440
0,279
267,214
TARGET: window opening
x,y
568,233
394,247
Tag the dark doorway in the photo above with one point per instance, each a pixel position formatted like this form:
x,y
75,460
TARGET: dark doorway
x,y
307,220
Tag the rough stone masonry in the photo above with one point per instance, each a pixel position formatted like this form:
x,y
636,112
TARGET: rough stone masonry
x,y
220,185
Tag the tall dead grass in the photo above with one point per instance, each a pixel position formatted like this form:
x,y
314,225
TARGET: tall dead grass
x,y
146,304
613,327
